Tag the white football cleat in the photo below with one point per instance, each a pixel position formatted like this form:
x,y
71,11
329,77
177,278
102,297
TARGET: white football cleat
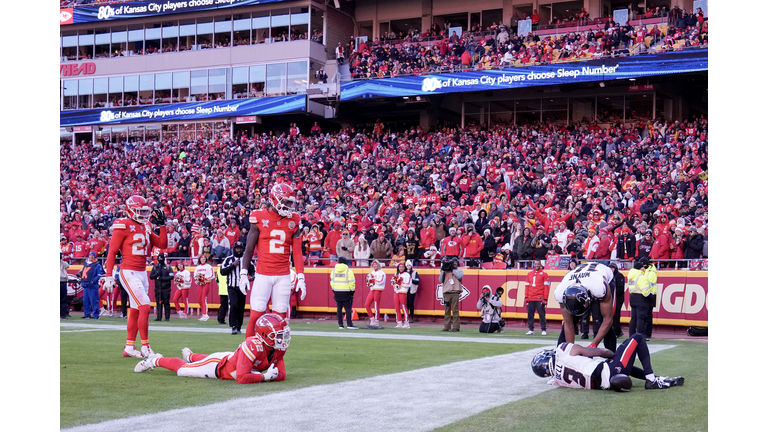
x,y
130,351
399,324
405,325
186,354
203,318
146,351
543,332
147,363
182,315
530,332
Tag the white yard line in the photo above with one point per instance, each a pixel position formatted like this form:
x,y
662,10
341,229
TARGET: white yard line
x,y
417,400
372,334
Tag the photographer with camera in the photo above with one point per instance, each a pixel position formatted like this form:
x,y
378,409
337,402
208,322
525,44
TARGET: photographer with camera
x,y
450,276
490,310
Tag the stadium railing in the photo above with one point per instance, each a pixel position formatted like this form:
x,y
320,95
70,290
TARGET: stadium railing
x,y
661,264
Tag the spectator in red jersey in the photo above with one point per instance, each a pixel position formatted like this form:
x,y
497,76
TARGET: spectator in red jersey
x,y
604,247
661,247
331,239
536,296
232,232
535,18
80,249
473,246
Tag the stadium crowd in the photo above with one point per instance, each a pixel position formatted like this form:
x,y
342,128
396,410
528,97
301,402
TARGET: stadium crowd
x,y
497,47
504,192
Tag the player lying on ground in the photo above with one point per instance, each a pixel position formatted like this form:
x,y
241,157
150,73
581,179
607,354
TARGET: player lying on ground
x,y
258,359
576,366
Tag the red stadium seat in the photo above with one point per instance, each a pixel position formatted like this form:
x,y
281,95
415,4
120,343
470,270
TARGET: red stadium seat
x,y
487,265
500,265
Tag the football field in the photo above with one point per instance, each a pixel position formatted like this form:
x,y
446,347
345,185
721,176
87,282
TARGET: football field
x,y
402,380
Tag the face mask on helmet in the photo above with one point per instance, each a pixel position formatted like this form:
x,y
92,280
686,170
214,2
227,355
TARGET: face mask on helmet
x,y
138,209
543,363
282,200
273,331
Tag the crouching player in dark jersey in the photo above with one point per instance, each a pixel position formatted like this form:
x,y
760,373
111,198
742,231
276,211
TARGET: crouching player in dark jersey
x,y
257,359
576,366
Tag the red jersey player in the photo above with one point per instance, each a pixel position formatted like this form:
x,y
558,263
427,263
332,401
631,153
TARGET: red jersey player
x,y
258,359
275,231
134,238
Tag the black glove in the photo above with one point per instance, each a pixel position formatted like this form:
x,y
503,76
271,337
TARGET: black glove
x,y
157,217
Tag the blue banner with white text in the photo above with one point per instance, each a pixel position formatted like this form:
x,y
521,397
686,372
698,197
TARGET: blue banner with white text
x,y
517,77
143,9
194,111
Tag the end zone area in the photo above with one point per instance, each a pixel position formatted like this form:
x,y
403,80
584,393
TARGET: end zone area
x,y
415,380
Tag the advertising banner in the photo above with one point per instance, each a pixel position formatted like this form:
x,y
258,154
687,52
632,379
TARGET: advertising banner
x,y
143,9
517,77
681,295
524,27
190,112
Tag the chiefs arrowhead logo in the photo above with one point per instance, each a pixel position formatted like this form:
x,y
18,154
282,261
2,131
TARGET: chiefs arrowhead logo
x,y
65,16
439,293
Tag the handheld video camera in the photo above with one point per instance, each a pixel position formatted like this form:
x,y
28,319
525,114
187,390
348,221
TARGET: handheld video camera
x,y
447,265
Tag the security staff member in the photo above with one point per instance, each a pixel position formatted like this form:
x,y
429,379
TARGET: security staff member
x,y
642,284
231,269
343,286
223,296
619,279
162,274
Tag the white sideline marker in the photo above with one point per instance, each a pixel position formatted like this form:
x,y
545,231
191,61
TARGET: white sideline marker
x,y
408,401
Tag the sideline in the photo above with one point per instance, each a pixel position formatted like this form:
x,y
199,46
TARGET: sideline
x,y
345,334
407,401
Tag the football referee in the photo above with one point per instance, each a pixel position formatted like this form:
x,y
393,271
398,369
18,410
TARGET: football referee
x,y
231,269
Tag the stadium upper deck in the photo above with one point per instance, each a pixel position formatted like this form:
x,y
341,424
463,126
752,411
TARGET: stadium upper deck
x,y
220,63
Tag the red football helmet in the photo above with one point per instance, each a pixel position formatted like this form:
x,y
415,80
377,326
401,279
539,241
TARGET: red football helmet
x,y
138,209
273,331
282,199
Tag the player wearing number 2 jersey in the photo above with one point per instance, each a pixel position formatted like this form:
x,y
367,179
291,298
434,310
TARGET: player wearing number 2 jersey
x,y
587,283
134,238
275,232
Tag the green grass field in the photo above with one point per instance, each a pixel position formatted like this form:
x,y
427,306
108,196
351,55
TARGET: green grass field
x,y
98,384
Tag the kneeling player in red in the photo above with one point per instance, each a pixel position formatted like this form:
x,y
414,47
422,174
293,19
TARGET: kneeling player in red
x,y
576,366
258,359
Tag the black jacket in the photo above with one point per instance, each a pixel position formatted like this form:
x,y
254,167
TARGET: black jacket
x,y
620,281
162,274
694,247
628,244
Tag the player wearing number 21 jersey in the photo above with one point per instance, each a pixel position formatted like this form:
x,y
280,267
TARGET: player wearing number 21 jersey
x,y
133,237
274,233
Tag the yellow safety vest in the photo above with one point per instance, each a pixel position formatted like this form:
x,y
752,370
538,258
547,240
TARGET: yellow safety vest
x,y
342,278
640,282
222,282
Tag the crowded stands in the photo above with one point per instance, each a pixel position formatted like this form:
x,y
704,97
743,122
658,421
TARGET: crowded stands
x,y
509,192
497,46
